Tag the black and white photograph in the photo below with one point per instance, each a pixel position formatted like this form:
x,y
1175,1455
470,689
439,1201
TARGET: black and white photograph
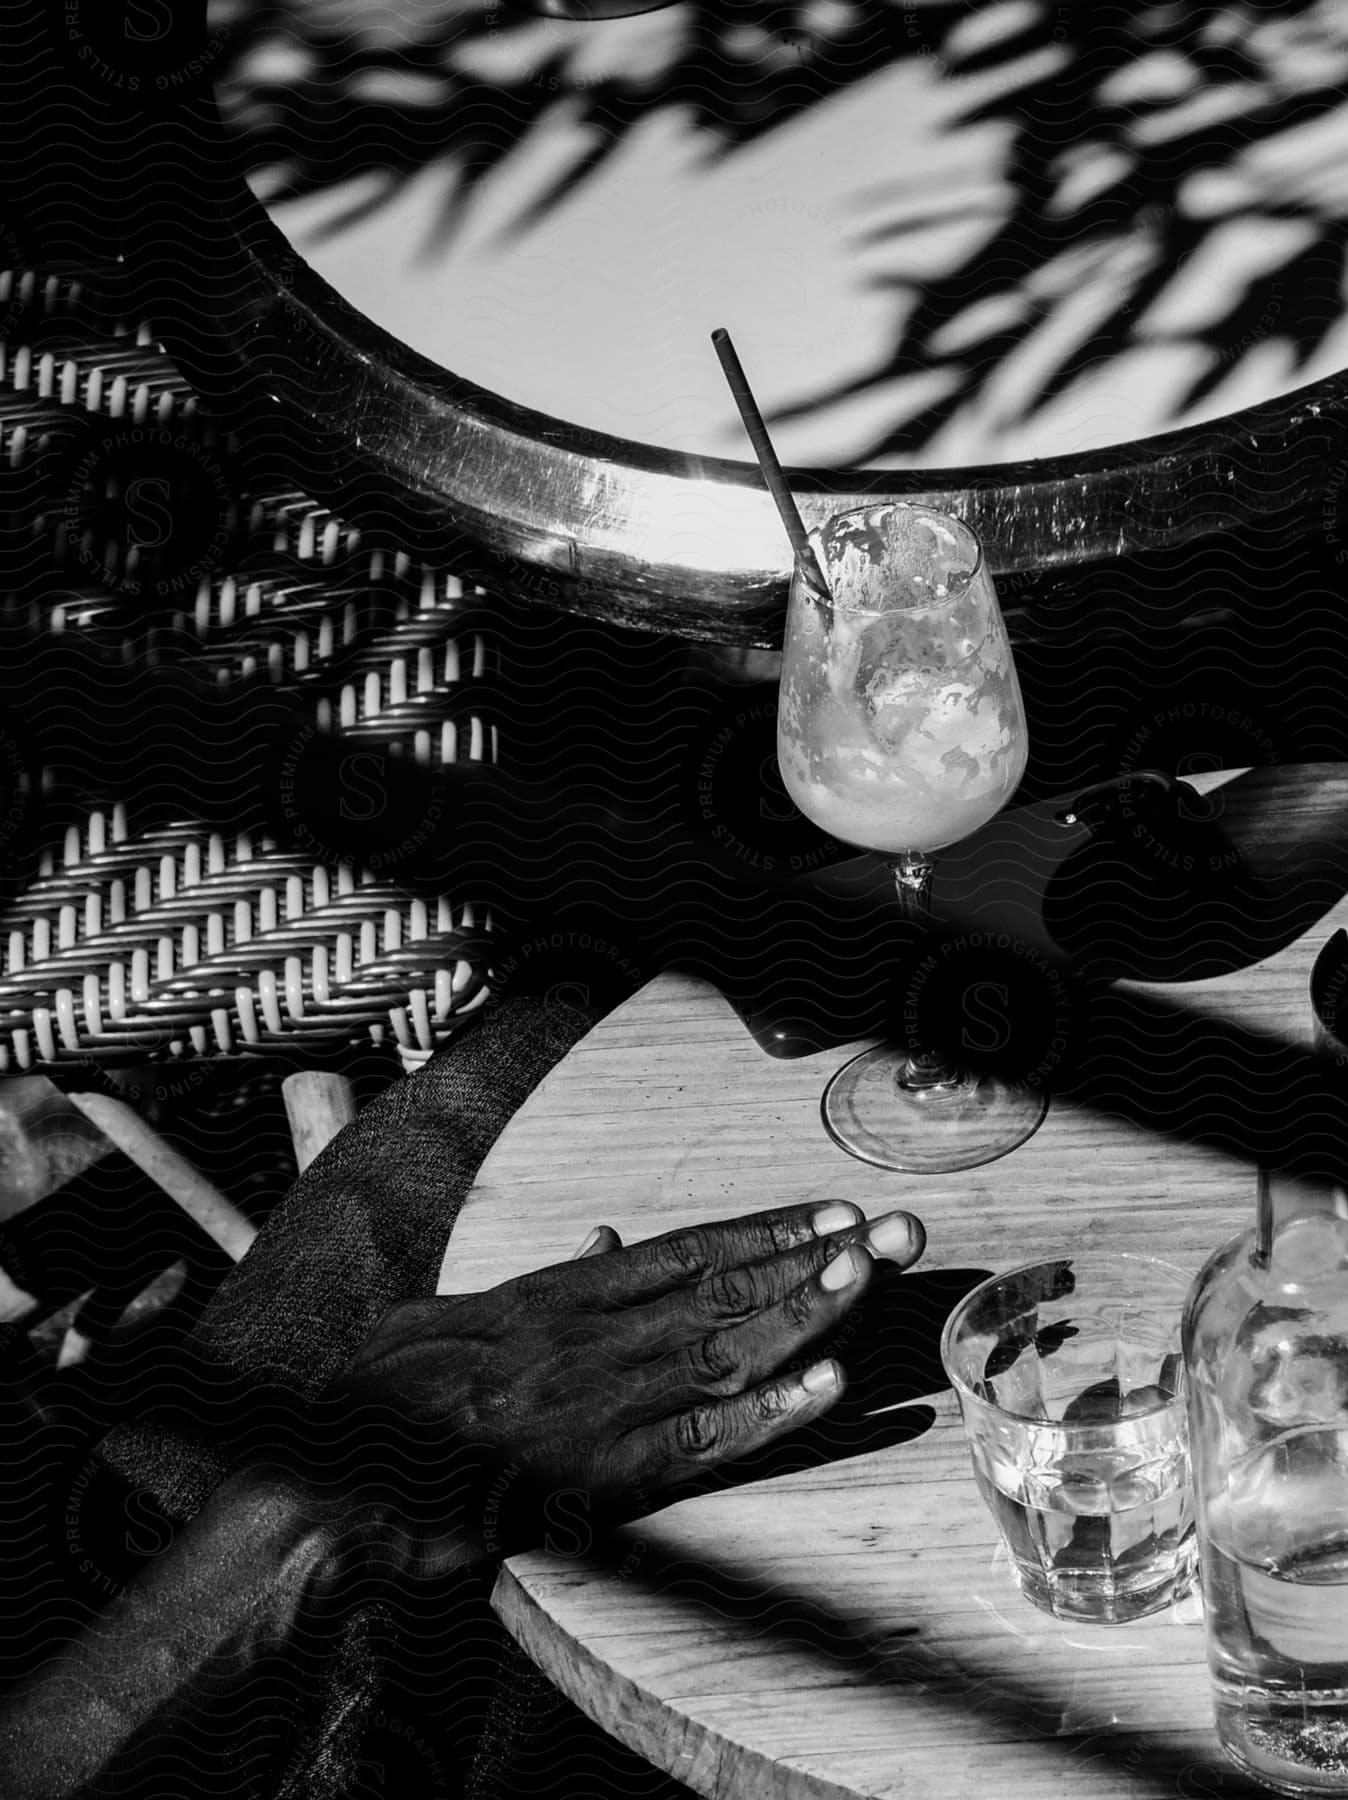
x,y
673,900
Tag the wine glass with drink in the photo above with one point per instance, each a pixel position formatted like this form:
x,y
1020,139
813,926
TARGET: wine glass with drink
x,y
900,729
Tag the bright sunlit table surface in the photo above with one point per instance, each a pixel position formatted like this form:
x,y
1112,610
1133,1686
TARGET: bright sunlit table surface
x,y
851,1628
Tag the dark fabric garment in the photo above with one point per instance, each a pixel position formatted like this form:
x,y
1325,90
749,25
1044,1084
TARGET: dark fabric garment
x,y
364,1226
206,1674
394,1701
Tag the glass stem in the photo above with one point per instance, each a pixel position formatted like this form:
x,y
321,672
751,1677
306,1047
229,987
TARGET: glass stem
x,y
912,881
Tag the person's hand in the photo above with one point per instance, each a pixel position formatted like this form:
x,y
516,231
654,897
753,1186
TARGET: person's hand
x,y
620,1377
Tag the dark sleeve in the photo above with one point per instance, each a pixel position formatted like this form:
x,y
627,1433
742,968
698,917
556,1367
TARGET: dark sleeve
x,y
365,1225
259,1638
200,1678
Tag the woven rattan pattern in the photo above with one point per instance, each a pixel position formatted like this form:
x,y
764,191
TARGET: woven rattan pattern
x,y
184,942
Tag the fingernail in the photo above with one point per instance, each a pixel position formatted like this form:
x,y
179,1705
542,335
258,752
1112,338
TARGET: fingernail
x,y
589,1243
823,1375
892,1236
844,1268
836,1216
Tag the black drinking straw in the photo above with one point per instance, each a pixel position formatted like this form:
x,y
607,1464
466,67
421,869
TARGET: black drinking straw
x,y
806,561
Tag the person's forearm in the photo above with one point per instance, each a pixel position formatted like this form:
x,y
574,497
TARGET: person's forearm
x,y
207,1650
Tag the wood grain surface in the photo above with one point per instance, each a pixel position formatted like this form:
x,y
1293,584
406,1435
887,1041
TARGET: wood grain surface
x,y
849,1626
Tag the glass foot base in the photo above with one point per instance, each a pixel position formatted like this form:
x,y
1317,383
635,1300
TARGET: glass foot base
x,y
927,1130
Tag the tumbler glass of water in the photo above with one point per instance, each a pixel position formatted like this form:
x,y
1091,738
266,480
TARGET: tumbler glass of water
x,y
1071,1385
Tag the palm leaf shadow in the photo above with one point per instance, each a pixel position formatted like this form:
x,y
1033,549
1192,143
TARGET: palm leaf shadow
x,y
1300,296
742,73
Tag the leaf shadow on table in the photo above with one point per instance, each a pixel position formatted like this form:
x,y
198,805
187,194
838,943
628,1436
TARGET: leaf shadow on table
x,y
1257,1095
1144,883
1036,914
1182,886
1214,887
889,1346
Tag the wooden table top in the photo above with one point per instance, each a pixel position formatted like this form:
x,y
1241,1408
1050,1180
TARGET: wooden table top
x,y
850,1628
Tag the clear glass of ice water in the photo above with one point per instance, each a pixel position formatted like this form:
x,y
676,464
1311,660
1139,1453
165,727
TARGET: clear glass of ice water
x,y
1071,1385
